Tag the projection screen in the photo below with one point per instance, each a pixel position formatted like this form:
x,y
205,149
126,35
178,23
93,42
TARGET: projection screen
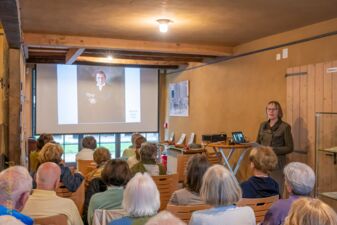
x,y
95,99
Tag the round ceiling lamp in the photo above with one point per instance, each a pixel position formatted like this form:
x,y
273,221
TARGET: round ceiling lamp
x,y
163,25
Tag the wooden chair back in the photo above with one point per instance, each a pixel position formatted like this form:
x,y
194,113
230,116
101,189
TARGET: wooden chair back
x,y
78,196
86,166
259,205
52,220
181,166
184,212
166,185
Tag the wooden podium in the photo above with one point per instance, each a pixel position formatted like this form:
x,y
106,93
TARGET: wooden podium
x,y
172,157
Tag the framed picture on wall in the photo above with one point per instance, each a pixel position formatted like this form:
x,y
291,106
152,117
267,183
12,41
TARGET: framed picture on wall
x,y
178,98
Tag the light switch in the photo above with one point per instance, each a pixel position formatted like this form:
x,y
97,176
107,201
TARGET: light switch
x,y
284,53
278,56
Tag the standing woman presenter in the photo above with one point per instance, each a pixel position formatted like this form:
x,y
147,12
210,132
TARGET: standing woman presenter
x,y
277,134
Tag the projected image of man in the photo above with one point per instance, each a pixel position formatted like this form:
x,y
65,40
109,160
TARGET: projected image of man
x,y
100,80
101,96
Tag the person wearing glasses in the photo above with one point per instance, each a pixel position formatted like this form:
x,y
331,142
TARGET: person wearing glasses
x,y
277,134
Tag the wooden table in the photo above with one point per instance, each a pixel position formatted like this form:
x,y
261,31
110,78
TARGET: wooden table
x,y
220,147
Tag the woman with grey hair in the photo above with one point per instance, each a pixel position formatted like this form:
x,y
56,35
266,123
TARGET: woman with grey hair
x,y
299,181
140,200
221,190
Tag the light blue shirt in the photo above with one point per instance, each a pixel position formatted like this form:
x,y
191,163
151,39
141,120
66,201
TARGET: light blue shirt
x,y
224,215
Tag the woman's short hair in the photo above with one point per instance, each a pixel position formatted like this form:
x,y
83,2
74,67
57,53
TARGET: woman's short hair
x,y
44,139
141,196
148,152
101,155
134,136
263,158
139,140
299,177
89,142
116,172
278,107
196,167
51,152
220,187
310,211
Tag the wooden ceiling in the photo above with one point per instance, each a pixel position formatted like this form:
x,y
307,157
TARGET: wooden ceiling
x,y
86,31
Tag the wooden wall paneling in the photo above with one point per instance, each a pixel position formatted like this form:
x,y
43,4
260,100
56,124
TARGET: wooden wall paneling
x,y
327,128
319,89
311,115
289,118
303,110
324,178
334,102
334,124
296,108
327,104
290,97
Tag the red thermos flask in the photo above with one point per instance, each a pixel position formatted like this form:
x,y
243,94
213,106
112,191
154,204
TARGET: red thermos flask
x,y
164,160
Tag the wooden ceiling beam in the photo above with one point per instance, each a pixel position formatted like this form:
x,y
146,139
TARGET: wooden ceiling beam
x,y
45,40
10,19
152,57
128,61
72,55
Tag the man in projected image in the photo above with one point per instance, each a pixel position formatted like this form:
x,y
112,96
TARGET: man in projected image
x,y
100,80
101,95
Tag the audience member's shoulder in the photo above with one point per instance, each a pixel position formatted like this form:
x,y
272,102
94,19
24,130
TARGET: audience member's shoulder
x,y
9,220
121,221
246,210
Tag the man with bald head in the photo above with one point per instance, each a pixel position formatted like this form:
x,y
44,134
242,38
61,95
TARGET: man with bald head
x,y
44,202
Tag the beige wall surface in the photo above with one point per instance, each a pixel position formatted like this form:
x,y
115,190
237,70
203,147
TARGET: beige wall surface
x,y
232,95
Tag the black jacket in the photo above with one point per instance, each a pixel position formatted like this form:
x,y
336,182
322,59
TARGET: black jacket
x,y
259,187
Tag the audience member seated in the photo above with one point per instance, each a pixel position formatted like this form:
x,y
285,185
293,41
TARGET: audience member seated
x,y
263,160
310,211
131,151
115,175
165,218
52,153
9,220
133,160
299,181
15,187
221,190
34,155
94,183
140,200
88,147
148,155
195,169
44,202
101,156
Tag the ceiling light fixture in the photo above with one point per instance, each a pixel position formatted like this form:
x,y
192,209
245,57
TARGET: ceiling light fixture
x,y
163,25
109,57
